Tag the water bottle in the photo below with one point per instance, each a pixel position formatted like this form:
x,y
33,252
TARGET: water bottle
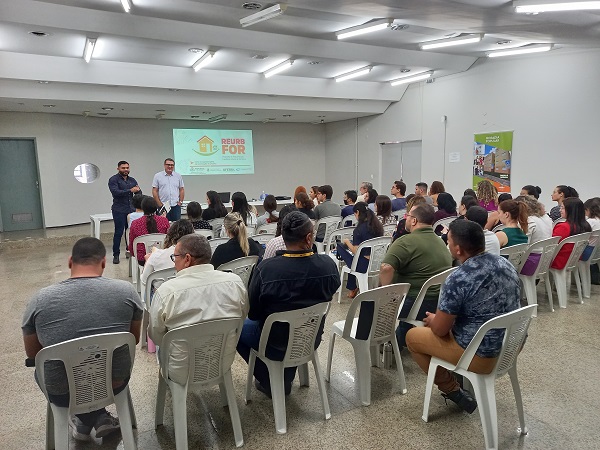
x,y
388,356
262,196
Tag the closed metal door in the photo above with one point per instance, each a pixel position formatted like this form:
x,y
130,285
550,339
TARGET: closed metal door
x,y
20,205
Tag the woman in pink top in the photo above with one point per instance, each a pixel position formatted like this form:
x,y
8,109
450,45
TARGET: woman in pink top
x,y
487,195
149,223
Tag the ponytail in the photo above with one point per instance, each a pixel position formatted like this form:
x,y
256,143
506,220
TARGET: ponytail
x,y
235,226
522,218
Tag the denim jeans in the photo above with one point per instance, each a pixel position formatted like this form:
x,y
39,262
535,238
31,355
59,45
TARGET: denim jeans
x,y
120,220
174,214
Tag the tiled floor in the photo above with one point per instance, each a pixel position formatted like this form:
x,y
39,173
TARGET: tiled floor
x,y
559,369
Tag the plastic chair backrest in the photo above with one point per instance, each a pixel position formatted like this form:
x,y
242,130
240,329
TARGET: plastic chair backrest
x,y
445,222
349,221
215,242
208,234
546,248
389,229
267,228
330,223
387,302
242,267
515,324
263,238
436,280
88,365
515,254
559,220
593,238
378,246
580,242
149,241
498,228
216,224
304,325
206,344
339,234
158,275
595,256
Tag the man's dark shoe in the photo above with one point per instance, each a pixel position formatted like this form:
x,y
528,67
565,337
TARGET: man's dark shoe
x,y
261,388
116,259
463,399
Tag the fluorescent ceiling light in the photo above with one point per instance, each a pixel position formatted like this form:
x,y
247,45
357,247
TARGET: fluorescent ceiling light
x,y
353,74
412,78
541,6
126,5
88,51
460,40
364,29
265,14
278,68
217,118
203,61
522,50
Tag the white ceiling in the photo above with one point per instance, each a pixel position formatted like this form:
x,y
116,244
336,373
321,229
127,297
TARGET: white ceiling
x,y
141,66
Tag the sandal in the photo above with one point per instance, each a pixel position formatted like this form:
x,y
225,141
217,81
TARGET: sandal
x,y
352,293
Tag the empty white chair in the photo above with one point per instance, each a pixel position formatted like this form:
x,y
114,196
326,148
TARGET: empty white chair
x,y
329,224
515,324
208,234
349,221
154,278
389,229
562,277
304,325
209,362
546,248
444,222
378,248
338,235
149,241
515,254
215,242
267,228
88,365
386,302
242,267
584,265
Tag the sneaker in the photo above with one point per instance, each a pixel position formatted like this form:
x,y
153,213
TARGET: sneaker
x,y
463,399
116,259
79,431
106,424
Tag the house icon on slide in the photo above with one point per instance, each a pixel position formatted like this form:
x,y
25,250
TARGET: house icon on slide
x,y
205,146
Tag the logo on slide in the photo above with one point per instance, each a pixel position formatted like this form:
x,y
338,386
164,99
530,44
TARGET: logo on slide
x,y
205,146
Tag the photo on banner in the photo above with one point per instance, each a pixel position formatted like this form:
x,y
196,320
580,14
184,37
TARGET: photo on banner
x,y
492,154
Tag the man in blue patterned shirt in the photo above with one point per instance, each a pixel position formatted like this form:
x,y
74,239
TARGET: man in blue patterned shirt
x,y
483,287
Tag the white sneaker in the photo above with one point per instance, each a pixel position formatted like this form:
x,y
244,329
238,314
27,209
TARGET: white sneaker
x,y
79,431
106,424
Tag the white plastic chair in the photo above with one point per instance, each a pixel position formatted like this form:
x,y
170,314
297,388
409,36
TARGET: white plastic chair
x,y
250,230
208,364
267,228
242,267
338,235
158,275
263,238
88,365
348,221
208,234
216,224
378,248
215,242
498,228
584,266
330,224
559,220
515,254
436,280
546,248
389,229
387,302
444,222
562,277
304,325
149,241
516,324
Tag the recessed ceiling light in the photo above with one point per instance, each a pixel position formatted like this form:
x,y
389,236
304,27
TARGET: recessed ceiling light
x,y
157,110
287,115
399,26
321,117
252,5
404,70
314,63
106,108
49,106
43,82
259,57
174,90
503,42
195,50
39,33
205,112
248,114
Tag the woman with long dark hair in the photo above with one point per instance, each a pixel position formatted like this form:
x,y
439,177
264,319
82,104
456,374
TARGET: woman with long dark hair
x,y
304,204
270,215
238,246
367,227
239,204
148,224
370,196
573,211
513,215
446,208
383,209
559,194
215,209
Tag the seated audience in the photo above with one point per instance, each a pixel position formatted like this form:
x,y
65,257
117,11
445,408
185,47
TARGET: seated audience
x,y
436,188
370,196
239,244
349,200
215,209
363,188
296,278
560,193
479,215
487,195
383,209
149,223
466,202
483,287
326,208
504,196
573,210
367,227
592,213
470,192
136,201
532,191
299,189
194,213
270,215
539,225
304,205
446,208
421,189
411,200
276,244
198,293
513,215
398,200
314,190
239,204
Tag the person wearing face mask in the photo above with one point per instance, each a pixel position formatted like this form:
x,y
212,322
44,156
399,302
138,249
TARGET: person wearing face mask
x,y
349,200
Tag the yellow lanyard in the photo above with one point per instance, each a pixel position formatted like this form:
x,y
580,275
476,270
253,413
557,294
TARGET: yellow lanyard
x,y
297,255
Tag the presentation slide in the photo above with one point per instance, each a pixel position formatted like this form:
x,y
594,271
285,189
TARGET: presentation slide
x,y
213,152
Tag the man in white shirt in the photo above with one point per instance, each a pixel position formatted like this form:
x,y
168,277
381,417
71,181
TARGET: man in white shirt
x,y
479,215
167,186
364,187
197,294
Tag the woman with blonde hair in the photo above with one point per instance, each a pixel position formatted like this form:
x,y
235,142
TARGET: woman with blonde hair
x,y
513,215
487,195
239,244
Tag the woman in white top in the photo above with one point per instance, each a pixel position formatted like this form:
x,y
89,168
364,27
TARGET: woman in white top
x,y
161,258
383,210
539,224
271,215
313,194
592,214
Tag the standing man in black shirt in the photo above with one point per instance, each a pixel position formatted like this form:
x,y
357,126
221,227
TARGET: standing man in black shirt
x,y
122,187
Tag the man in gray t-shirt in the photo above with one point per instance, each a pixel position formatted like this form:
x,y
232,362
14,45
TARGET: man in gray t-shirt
x,y
83,305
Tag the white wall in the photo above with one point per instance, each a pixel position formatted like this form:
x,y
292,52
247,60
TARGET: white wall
x,y
285,155
551,101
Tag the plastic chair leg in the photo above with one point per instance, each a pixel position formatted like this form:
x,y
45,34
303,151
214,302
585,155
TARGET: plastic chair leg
x,y
484,390
50,445
321,384
362,280
514,380
234,413
303,375
586,279
160,401
530,289
363,371
278,395
123,411
578,283
251,362
399,366
376,356
61,427
179,399
131,410
549,290
330,356
428,389
144,338
560,281
223,394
